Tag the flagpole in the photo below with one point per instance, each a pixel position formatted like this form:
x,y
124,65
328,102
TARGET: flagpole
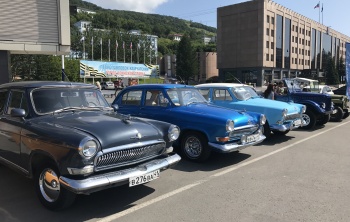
x,y
319,11
92,48
150,54
124,50
109,50
137,52
116,50
84,48
131,51
322,13
101,48
144,53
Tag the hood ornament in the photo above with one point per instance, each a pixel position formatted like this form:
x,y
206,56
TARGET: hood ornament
x,y
138,136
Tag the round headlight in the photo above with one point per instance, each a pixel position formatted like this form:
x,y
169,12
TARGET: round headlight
x,y
173,133
262,119
89,148
303,110
230,125
284,113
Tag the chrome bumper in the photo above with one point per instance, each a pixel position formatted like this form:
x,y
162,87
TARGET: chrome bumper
x,y
231,147
103,181
286,126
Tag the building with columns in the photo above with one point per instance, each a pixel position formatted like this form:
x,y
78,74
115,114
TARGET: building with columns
x,y
260,40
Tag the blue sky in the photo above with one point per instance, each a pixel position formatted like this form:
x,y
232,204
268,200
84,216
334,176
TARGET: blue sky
x,y
336,13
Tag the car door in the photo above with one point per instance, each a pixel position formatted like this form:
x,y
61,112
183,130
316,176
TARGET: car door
x,y
11,127
155,105
130,102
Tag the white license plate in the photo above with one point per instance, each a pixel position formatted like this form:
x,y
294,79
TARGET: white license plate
x,y
297,122
133,181
252,138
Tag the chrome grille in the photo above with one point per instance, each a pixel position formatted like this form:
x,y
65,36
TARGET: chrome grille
x,y
240,131
128,156
293,116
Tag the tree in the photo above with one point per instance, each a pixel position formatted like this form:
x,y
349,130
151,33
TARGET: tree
x,y
332,77
186,60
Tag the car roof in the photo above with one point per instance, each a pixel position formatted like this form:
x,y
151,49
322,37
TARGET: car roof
x,y
34,84
220,85
159,86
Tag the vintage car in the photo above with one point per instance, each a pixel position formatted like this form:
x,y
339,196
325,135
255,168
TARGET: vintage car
x,y
204,127
340,102
319,107
107,85
68,139
281,117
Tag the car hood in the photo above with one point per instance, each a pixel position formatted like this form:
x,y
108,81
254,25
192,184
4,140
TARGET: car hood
x,y
110,129
201,110
263,105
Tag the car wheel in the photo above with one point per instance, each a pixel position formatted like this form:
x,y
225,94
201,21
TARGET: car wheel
x,y
325,119
267,130
280,132
309,120
194,146
49,190
346,114
338,116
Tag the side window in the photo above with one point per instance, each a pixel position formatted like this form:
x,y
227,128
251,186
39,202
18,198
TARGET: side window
x,y
222,94
17,100
155,98
132,98
205,93
3,100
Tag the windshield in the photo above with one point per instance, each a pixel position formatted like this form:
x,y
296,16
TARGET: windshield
x,y
185,96
293,85
56,99
244,92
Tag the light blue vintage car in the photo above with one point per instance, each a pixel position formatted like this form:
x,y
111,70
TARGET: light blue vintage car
x,y
281,116
204,127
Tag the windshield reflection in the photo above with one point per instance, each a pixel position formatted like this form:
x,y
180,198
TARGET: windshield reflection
x,y
185,96
51,100
244,92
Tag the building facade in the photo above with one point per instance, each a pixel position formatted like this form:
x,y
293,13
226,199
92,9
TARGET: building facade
x,y
206,66
260,40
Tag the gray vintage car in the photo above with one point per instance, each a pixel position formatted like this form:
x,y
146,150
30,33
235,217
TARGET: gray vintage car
x,y
70,141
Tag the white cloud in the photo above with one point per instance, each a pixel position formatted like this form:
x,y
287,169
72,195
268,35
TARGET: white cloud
x,y
129,5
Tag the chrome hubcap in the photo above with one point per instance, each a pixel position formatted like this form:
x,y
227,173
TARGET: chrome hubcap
x,y
49,185
306,120
193,147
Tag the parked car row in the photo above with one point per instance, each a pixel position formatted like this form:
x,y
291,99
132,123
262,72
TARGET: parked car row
x,y
69,140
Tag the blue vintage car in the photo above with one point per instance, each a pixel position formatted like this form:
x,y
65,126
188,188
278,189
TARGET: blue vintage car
x,y
281,116
204,127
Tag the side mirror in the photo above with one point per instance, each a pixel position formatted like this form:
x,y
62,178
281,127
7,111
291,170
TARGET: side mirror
x,y
115,107
16,112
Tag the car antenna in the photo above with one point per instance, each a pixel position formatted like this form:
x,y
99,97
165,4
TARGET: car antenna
x,y
238,80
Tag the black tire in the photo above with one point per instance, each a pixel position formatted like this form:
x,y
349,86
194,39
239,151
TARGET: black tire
x,y
338,116
325,119
52,195
280,133
346,114
309,120
267,130
194,146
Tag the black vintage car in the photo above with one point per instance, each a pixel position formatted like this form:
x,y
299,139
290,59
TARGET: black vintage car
x,y
70,141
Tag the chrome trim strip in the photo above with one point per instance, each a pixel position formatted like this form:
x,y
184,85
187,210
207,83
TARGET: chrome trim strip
x,y
107,180
14,165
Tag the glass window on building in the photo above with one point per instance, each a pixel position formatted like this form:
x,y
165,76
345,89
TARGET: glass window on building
x,y
272,20
272,45
268,19
272,33
267,44
272,57
267,57
267,31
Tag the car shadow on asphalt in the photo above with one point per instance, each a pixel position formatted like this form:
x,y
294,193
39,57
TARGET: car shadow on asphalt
x,y
216,161
18,201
